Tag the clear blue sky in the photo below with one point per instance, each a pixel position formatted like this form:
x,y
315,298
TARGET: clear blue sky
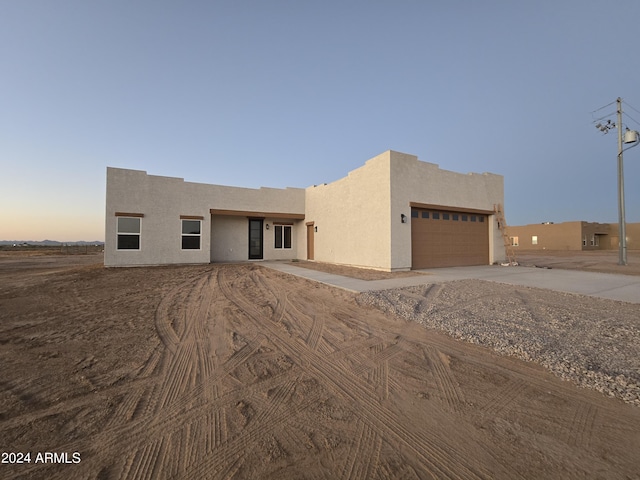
x,y
295,93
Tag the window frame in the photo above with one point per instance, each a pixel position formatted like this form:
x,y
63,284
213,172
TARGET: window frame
x,y
123,233
184,235
282,227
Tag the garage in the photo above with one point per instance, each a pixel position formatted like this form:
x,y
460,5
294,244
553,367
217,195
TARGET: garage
x,y
442,237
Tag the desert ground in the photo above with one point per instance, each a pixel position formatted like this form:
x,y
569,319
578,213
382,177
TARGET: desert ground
x,y
239,371
605,261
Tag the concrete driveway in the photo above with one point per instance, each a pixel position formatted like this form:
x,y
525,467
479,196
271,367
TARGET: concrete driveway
x,y
604,285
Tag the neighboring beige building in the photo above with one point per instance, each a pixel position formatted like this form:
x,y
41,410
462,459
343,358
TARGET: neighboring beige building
x,y
573,236
393,213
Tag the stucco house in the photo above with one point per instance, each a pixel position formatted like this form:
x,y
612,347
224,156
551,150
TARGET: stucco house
x,y
393,213
577,235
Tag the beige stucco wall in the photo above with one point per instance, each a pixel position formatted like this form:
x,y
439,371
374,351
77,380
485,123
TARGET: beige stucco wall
x,y
551,236
352,217
570,235
162,200
359,217
633,235
416,181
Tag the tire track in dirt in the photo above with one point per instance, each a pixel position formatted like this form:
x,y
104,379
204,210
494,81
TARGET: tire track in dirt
x,y
120,440
405,473
103,395
192,366
145,462
181,391
283,393
362,459
178,375
381,355
504,397
439,458
528,373
581,428
445,380
231,454
186,365
315,333
353,391
131,404
150,367
165,330
379,376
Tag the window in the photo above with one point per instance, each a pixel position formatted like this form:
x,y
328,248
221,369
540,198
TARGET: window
x,y
593,240
473,218
514,241
445,216
436,215
414,213
584,241
481,218
455,217
283,236
464,218
425,214
128,231
534,240
191,234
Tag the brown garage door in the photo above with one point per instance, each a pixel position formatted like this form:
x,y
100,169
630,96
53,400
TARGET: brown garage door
x,y
448,239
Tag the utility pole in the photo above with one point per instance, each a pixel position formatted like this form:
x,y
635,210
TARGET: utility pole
x,y
622,253
630,137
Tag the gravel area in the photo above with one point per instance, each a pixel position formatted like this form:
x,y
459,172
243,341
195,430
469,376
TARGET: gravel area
x,y
592,342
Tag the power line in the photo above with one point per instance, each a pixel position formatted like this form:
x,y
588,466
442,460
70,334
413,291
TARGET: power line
x,y
632,118
631,107
602,118
608,105
612,124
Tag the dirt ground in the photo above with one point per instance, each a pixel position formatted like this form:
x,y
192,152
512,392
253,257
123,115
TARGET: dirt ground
x,y
238,371
354,272
605,261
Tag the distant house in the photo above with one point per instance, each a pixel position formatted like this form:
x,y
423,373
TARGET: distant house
x,y
393,213
577,235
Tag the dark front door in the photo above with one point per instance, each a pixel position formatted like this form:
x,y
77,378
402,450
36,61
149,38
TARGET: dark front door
x,y
255,238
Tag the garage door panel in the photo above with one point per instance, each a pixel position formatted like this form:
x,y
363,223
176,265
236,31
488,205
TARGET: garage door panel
x,y
438,241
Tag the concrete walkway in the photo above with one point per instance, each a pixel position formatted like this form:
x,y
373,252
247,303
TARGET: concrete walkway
x,y
604,285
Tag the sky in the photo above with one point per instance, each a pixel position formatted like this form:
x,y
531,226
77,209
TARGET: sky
x,y
295,93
